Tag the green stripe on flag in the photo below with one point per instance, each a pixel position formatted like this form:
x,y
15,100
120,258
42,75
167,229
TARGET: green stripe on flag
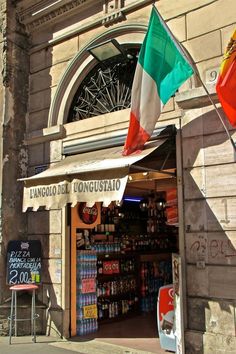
x,y
162,60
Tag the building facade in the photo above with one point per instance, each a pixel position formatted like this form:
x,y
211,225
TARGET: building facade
x,y
45,66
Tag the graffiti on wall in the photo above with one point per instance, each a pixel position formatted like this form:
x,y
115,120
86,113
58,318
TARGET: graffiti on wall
x,y
212,248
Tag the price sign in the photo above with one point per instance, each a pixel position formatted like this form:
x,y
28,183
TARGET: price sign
x,y
23,262
88,286
90,311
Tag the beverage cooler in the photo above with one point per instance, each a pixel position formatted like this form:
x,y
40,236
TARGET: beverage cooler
x,y
165,318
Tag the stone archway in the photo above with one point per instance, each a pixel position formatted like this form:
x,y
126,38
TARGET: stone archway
x,y
81,65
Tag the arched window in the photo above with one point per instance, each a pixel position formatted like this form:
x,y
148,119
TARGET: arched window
x,y
107,87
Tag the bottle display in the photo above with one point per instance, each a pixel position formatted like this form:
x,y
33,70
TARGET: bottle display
x,y
86,299
116,266
108,308
144,242
153,275
107,220
117,287
113,280
106,247
120,286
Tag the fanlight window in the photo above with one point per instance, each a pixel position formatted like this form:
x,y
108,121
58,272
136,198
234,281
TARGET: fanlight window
x,y
107,88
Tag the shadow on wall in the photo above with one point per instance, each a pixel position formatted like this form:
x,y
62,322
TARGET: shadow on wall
x,y
210,221
31,107
50,290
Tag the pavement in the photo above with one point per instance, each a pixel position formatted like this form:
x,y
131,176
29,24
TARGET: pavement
x,y
52,345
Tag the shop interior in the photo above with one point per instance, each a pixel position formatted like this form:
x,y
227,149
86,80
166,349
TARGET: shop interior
x,y
128,255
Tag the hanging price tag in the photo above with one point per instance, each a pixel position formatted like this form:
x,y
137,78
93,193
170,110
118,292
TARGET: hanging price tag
x,y
88,286
90,311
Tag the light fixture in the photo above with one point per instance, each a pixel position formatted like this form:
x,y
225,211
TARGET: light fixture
x,y
143,205
130,56
106,50
160,204
119,203
132,199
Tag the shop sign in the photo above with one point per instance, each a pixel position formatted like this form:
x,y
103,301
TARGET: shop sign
x,y
87,215
61,193
88,286
90,311
101,177
74,187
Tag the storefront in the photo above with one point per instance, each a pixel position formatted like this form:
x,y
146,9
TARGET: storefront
x,y
123,228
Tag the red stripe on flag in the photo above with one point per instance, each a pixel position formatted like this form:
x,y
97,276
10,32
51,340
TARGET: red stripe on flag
x,y
136,137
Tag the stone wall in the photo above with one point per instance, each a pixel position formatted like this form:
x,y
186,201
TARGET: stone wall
x,y
209,194
209,191
14,99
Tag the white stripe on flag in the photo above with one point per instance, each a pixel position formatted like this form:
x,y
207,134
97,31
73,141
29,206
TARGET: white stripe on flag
x,y
146,103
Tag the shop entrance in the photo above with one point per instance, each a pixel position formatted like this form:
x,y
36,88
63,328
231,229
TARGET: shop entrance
x,y
127,255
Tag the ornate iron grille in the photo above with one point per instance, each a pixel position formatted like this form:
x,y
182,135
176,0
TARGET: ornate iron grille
x,y
107,88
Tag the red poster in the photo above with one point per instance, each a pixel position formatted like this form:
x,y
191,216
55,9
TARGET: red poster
x,y
88,286
111,267
115,266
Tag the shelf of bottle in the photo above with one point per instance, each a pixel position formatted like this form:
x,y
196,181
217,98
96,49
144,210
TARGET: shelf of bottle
x,y
134,253
115,255
115,275
138,253
156,252
120,296
135,218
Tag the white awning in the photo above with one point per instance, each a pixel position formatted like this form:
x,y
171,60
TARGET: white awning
x,y
97,176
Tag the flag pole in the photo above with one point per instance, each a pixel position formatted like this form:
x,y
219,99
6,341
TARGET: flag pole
x,y
183,51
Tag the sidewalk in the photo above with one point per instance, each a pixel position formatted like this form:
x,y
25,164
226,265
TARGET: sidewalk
x,y
52,345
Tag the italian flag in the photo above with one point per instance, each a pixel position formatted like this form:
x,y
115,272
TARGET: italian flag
x,y
161,70
226,82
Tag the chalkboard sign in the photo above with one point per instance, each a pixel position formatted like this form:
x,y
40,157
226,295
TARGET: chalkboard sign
x,y
24,262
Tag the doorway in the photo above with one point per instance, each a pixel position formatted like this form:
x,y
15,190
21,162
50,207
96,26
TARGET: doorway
x,y
137,237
